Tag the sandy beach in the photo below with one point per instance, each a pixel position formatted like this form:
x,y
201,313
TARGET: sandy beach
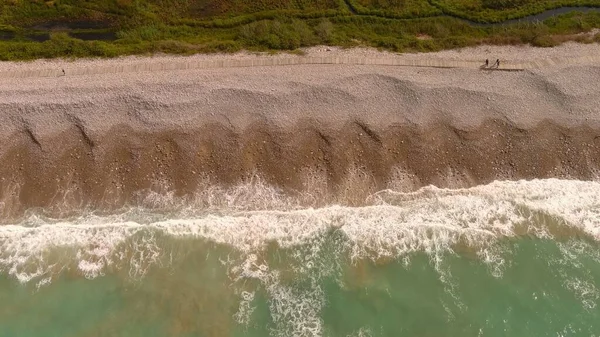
x,y
360,122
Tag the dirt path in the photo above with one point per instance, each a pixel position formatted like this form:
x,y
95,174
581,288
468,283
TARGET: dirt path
x,y
471,58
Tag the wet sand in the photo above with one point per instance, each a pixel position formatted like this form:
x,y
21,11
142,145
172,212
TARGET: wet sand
x,y
99,139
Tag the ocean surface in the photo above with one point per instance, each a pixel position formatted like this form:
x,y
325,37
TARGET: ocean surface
x,y
505,259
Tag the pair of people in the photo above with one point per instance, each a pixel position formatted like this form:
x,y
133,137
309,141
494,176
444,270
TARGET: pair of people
x,y
497,64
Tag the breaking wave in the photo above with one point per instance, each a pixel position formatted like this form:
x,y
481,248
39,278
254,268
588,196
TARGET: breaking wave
x,y
390,225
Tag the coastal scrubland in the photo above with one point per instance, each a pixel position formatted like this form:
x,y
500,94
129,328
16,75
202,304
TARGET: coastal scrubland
x,y
108,28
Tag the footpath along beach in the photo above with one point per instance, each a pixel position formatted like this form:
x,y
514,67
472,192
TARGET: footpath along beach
x,y
118,126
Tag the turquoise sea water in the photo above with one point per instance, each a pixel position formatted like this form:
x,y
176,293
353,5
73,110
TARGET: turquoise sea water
x,y
505,259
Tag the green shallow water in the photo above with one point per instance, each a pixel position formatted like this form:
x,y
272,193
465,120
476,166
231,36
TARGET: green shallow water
x,y
543,288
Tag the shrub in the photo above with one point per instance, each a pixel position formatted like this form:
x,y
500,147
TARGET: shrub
x,y
543,41
324,30
502,4
278,35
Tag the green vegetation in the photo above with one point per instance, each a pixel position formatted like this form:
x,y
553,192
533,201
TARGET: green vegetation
x,y
192,26
400,9
133,12
488,11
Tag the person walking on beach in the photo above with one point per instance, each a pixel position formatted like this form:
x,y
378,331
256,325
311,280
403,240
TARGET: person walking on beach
x,y
487,62
497,63
63,72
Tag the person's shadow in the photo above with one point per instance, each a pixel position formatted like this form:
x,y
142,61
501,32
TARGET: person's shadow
x,y
486,65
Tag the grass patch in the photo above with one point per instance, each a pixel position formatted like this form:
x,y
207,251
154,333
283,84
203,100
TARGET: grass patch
x,y
185,26
395,8
490,11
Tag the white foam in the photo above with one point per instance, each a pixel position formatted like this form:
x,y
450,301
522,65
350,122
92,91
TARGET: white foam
x,y
362,332
245,309
430,220
581,283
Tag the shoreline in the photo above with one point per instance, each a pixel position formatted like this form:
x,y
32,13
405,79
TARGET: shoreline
x,y
355,128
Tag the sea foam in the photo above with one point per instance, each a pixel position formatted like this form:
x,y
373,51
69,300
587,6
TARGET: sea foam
x,y
391,225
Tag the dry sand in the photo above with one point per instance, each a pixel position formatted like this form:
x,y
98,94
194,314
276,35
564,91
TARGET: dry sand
x,y
111,128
